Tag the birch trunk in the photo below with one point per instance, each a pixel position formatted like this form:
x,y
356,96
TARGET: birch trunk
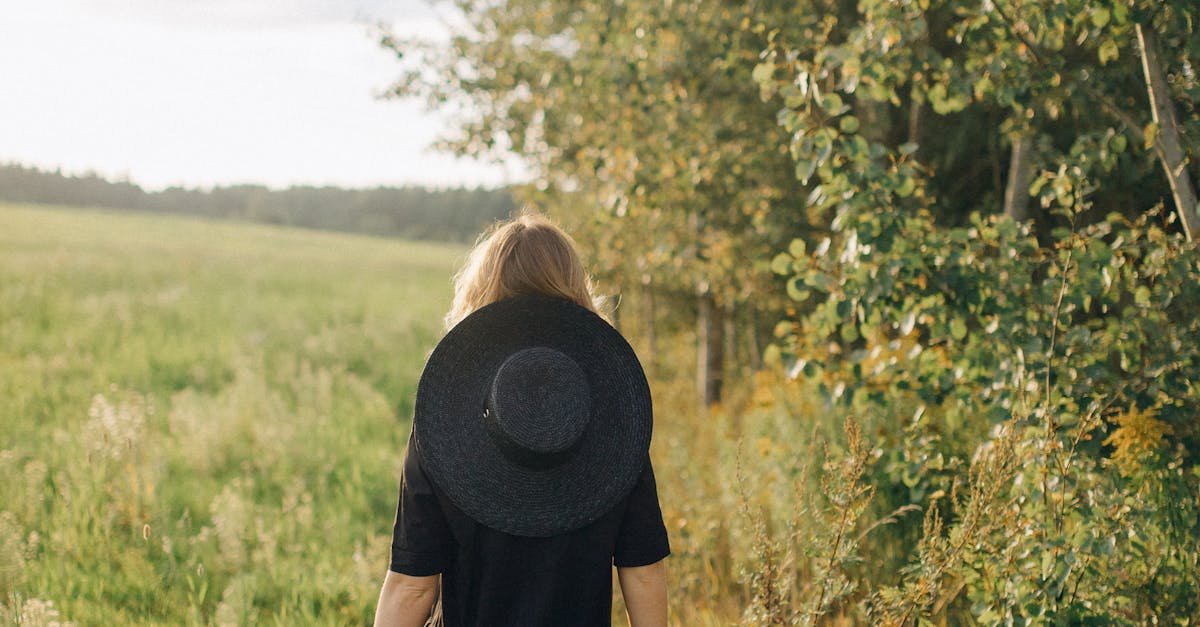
x,y
710,347
1166,144
1020,174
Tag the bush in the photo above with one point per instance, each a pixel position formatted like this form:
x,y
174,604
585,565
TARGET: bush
x,y
1038,403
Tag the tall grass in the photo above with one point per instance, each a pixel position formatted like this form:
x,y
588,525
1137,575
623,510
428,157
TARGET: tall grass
x,y
202,425
202,421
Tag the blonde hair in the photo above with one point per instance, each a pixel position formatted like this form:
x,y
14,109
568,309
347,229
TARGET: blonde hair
x,y
526,255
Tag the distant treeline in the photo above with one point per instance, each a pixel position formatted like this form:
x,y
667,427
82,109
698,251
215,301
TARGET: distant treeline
x,y
411,212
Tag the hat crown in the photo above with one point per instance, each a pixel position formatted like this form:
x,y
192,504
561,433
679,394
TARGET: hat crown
x,y
489,466
539,407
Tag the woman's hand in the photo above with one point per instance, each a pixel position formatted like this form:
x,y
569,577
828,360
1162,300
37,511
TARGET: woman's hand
x,y
406,601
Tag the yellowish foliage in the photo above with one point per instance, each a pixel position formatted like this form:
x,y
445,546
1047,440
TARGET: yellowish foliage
x,y
762,395
1139,433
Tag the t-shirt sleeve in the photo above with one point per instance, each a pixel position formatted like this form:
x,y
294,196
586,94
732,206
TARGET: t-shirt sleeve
x,y
421,538
642,539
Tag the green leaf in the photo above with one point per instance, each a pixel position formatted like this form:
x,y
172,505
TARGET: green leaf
x,y
762,72
1120,13
819,280
1118,143
958,328
1109,51
937,94
906,187
1141,295
832,103
798,248
1100,17
796,289
772,355
943,101
781,264
849,124
805,169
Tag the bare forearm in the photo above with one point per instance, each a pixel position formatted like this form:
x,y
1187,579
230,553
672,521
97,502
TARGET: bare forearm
x,y
644,589
405,601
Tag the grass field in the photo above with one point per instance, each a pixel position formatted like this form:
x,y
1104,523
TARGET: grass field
x,y
202,421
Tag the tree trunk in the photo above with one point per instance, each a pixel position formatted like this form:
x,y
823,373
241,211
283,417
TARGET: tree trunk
x,y
875,118
709,349
752,345
1166,144
1020,174
914,123
730,350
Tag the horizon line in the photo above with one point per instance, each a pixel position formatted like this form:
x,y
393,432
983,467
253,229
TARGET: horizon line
x,y
125,178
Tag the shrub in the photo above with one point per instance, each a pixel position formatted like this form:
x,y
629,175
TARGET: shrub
x,y
1039,403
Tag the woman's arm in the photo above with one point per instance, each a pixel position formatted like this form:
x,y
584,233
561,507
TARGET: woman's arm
x,y
406,601
644,589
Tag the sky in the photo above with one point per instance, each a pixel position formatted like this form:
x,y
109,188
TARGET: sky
x,y
212,92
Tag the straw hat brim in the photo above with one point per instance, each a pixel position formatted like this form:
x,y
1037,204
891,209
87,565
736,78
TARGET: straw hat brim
x,y
460,457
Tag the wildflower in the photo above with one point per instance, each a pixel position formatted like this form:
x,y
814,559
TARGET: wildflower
x,y
114,430
12,552
231,517
40,613
1138,434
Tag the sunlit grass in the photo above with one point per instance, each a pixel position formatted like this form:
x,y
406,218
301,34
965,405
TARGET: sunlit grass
x,y
203,424
202,420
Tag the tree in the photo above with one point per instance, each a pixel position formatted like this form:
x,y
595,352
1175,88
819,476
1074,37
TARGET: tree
x,y
645,120
413,212
1020,344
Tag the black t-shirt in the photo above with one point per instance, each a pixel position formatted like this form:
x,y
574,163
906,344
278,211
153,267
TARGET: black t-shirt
x,y
492,578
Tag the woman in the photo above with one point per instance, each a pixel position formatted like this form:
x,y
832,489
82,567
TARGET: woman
x,y
527,475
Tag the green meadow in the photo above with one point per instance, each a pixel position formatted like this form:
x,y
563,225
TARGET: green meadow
x,y
203,424
202,421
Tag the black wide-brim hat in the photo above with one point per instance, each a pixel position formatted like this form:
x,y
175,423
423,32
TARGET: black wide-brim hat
x,y
533,416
